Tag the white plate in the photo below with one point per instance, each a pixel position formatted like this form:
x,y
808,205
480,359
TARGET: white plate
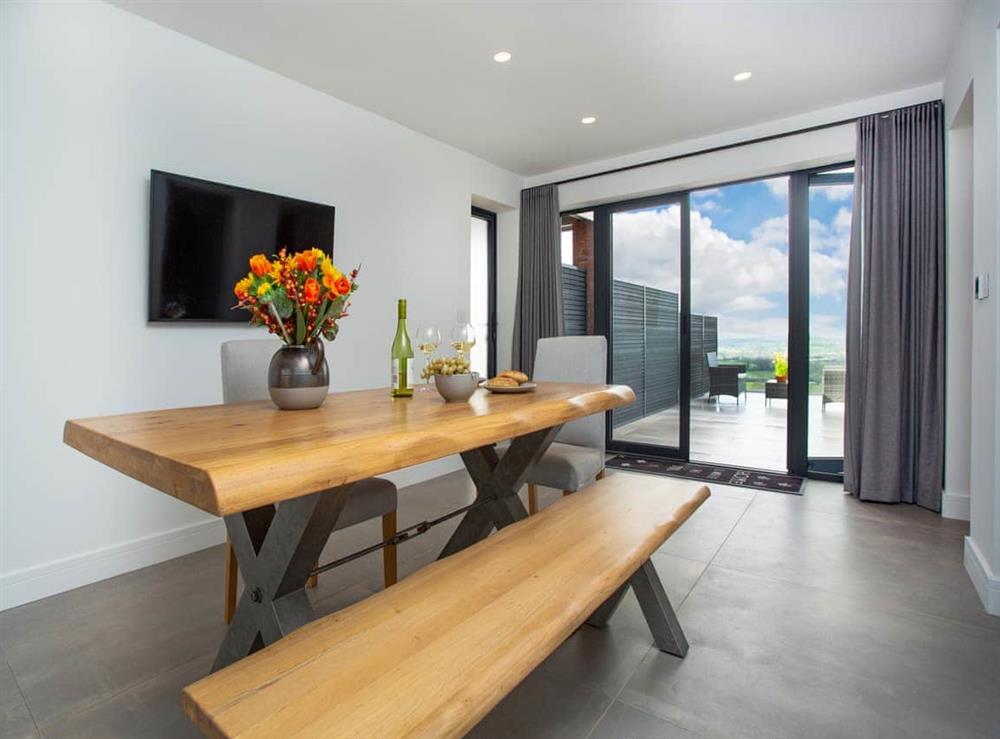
x,y
527,387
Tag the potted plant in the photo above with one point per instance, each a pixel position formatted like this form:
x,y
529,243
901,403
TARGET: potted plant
x,y
780,367
300,298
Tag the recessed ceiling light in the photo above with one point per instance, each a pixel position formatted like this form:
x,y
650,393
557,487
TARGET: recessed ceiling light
x,y
588,119
502,56
742,76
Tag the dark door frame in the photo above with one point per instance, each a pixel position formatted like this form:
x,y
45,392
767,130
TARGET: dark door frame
x,y
491,286
798,460
603,300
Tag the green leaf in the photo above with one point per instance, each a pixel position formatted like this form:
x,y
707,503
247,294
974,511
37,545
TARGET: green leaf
x,y
282,303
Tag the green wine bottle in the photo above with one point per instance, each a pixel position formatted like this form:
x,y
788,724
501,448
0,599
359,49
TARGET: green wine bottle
x,y
402,353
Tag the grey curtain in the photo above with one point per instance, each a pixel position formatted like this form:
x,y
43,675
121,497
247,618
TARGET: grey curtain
x,y
894,420
538,312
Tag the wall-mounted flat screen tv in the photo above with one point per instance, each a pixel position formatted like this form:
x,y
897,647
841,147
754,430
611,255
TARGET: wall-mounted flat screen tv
x,y
203,233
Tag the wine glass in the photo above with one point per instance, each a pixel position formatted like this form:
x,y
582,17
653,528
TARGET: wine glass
x,y
463,338
428,339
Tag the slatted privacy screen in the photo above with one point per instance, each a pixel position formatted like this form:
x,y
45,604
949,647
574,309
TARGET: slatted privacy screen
x,y
645,342
574,287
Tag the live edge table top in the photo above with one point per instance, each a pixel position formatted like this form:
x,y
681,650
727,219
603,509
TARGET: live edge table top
x,y
226,459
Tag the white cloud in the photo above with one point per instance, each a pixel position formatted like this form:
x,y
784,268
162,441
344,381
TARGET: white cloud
x,y
778,186
728,276
743,282
830,249
712,192
829,326
708,206
750,303
836,193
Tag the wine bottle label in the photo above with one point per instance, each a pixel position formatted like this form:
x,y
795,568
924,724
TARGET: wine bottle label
x,y
400,377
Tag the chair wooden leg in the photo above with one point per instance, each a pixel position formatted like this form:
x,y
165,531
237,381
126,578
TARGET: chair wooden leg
x,y
532,500
600,475
567,492
232,568
389,553
313,581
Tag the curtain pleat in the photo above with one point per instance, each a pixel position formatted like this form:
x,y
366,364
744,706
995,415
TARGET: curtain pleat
x,y
538,312
894,420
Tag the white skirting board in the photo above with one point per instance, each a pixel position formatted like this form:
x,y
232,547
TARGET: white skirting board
x,y
50,578
955,505
986,582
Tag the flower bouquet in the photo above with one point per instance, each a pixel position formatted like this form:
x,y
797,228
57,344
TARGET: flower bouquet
x,y
300,298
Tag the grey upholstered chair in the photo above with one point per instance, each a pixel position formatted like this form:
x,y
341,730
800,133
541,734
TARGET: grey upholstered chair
x,y
576,457
244,378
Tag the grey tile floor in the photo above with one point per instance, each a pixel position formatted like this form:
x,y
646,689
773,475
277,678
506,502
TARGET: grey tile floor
x,y
812,616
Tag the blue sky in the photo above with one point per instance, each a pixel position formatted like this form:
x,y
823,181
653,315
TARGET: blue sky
x,y
739,257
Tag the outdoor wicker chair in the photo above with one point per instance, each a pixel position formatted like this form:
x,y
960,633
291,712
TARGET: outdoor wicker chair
x,y
725,379
834,381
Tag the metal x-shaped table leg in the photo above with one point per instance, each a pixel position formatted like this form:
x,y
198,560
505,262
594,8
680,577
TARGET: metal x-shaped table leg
x,y
497,484
276,549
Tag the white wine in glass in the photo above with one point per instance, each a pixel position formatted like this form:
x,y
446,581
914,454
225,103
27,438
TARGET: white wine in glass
x,y
428,340
463,338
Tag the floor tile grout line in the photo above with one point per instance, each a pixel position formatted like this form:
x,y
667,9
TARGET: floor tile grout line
x,y
611,702
121,691
723,543
683,600
849,596
24,699
937,528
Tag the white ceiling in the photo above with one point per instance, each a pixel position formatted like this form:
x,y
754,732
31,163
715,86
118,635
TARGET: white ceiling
x,y
654,73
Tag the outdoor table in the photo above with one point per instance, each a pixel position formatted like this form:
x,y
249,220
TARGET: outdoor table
x,y
281,478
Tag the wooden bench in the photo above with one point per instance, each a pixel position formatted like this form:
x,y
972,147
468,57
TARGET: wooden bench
x,y
431,655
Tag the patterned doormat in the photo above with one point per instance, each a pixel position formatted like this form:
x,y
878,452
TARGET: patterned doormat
x,y
772,481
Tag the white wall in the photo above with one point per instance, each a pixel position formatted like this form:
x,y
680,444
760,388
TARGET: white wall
x,y
955,501
93,97
974,63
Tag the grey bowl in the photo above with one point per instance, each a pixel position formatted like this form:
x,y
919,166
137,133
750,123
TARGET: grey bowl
x,y
456,388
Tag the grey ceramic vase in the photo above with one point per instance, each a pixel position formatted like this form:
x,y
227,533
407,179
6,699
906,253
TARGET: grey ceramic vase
x,y
298,377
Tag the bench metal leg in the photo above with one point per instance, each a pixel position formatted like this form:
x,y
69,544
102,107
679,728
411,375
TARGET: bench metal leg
x,y
660,616
497,484
656,608
599,618
276,549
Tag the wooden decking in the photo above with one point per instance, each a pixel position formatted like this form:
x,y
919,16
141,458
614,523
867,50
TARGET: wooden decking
x,y
750,434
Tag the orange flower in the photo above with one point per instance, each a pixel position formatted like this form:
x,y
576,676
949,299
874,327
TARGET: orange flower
x,y
342,286
306,260
310,291
260,265
242,288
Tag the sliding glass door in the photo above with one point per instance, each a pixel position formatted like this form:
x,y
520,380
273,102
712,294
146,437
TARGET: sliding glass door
x,y
739,324
830,201
724,310
644,309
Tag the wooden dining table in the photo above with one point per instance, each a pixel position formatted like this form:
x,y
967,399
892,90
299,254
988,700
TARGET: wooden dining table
x,y
281,478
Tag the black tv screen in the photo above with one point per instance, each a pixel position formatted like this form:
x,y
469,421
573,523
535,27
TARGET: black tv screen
x,y
202,235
